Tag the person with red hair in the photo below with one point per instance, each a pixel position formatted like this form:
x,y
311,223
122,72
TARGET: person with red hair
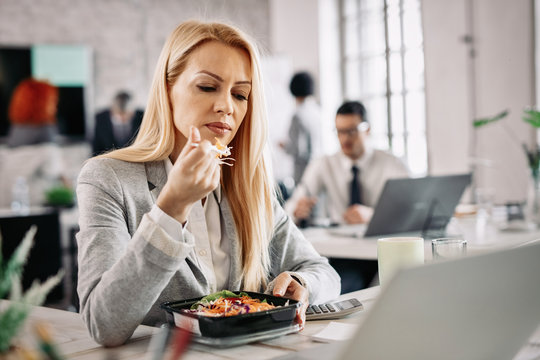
x,y
32,155
32,113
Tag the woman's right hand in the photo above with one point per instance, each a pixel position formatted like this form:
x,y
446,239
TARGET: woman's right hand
x,y
195,173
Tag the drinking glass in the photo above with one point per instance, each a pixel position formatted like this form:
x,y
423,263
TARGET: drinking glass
x,y
448,248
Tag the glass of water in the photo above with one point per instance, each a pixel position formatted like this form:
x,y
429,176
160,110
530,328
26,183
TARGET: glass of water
x,y
448,248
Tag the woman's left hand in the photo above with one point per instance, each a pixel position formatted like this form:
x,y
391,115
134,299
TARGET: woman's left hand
x,y
286,286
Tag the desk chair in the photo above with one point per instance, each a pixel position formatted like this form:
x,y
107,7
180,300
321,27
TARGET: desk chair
x,y
45,257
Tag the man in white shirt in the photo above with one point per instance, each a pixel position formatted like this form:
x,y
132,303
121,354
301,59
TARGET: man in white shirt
x,y
351,182
333,175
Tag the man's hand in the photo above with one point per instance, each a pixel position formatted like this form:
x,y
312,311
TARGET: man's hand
x,y
358,214
304,207
286,286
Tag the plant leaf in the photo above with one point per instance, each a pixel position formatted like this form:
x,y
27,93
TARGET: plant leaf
x,y
484,121
38,292
16,262
532,117
16,288
11,320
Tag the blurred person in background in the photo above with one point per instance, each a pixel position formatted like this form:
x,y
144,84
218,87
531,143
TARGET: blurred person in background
x,y
117,126
32,113
32,160
304,141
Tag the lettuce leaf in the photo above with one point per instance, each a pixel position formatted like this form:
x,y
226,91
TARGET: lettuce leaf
x,y
217,295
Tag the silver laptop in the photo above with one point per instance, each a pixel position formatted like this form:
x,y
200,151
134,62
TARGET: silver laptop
x,y
411,207
479,307
417,204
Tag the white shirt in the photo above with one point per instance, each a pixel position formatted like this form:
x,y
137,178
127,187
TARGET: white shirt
x,y
331,175
211,241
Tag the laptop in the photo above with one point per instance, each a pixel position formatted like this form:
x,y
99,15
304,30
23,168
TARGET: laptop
x,y
414,206
478,307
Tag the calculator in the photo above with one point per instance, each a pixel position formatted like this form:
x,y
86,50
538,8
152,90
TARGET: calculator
x,y
333,309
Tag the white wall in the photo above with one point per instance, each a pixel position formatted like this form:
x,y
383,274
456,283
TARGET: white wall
x,y
503,78
294,32
331,94
447,93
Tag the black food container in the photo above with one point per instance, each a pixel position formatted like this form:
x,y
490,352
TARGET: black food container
x,y
233,326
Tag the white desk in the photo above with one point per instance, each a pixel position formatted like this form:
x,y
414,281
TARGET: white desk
x,y
480,236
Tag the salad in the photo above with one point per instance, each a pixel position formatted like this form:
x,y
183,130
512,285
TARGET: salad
x,y
227,303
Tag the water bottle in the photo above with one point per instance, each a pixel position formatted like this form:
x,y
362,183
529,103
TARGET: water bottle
x,y
20,202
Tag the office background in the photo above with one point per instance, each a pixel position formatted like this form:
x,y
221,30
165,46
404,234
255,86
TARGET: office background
x,y
479,59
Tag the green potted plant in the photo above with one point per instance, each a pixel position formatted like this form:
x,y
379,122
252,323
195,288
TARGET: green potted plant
x,y
533,155
14,313
60,196
531,116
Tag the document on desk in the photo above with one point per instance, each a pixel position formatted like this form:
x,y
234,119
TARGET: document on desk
x,y
355,231
335,331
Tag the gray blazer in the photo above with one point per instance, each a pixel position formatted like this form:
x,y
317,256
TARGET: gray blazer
x,y
128,265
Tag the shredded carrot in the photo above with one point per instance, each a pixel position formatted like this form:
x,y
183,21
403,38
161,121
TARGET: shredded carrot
x,y
219,145
221,150
232,306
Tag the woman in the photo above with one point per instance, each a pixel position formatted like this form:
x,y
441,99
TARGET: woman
x,y
162,220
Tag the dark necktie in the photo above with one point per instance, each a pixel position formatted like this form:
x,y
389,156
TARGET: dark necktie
x,y
356,191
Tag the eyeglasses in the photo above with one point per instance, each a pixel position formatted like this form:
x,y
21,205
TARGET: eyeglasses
x,y
363,126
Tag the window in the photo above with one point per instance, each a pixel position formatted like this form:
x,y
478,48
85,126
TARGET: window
x,y
383,66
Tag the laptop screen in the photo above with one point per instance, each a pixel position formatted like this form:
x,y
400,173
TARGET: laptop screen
x,y
417,204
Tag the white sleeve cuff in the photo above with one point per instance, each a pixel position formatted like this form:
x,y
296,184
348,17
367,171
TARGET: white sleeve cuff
x,y
170,225
156,236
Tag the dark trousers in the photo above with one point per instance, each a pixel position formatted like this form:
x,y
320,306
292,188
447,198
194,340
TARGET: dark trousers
x,y
355,274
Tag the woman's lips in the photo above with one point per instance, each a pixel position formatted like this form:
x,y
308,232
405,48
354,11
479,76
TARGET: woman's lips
x,y
218,128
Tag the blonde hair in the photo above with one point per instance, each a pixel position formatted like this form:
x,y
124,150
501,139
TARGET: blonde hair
x,y
249,183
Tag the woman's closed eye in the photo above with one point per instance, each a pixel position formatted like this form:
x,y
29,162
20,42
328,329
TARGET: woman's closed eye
x,y
240,96
206,88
